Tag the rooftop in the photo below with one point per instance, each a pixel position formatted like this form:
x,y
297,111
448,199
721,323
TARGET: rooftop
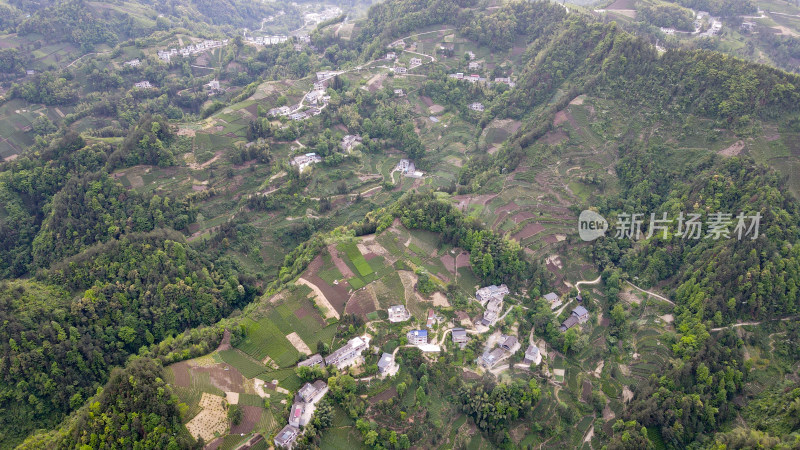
x,y
385,361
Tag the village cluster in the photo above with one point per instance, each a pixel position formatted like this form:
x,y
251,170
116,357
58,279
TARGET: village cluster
x,y
715,26
498,347
191,49
317,99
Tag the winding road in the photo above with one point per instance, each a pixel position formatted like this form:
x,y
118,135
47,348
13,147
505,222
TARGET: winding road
x,y
742,324
582,282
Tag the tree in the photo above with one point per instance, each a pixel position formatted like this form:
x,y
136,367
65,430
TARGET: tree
x,y
421,397
235,414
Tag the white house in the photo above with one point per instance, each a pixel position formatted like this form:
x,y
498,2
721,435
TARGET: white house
x,y
350,141
348,354
553,299
477,106
398,313
492,313
532,355
213,85
306,160
143,85
399,92
282,111
400,70
287,436
391,56
475,65
457,76
486,293
298,116
416,61
386,365
133,63
314,360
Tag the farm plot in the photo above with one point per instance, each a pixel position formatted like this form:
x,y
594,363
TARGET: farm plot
x,y
243,363
212,419
264,338
356,258
297,315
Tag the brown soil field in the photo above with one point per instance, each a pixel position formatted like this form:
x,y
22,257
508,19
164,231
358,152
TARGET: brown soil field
x,y
448,262
251,416
462,260
427,100
506,208
226,341
181,371
550,239
339,262
733,150
586,393
336,295
529,230
360,304
226,380
555,137
523,216
464,200
385,395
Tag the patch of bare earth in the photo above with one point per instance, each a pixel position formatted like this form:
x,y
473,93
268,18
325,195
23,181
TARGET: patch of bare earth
x,y
627,394
530,229
250,417
436,109
440,300
339,262
225,344
196,166
361,303
385,395
555,137
336,295
578,100
298,343
733,150
181,372
320,298
409,280
224,377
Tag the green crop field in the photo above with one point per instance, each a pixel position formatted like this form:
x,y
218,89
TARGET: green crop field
x,y
298,315
356,258
264,339
244,364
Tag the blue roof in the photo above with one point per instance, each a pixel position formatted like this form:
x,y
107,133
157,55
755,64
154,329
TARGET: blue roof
x,y
419,332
